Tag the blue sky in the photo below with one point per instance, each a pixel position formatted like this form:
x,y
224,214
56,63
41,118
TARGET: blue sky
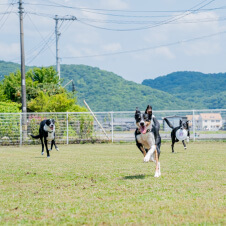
x,y
135,39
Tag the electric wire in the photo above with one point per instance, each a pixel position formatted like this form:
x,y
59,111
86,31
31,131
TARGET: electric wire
x,y
43,39
50,41
111,10
151,21
44,44
147,48
6,16
92,10
43,49
172,19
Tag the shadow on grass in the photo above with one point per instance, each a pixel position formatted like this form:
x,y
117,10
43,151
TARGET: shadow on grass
x,y
139,176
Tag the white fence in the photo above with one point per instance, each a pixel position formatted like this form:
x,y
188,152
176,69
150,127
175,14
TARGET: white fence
x,y
110,126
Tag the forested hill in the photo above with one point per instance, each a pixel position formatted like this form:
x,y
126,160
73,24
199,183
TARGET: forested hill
x,y
8,67
208,90
106,91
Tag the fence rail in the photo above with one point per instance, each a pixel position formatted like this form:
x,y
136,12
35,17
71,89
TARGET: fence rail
x,y
108,126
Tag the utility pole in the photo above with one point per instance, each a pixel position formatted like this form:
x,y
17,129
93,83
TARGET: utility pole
x,y
23,83
56,18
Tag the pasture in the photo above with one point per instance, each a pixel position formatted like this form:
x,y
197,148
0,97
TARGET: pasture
x,y
108,184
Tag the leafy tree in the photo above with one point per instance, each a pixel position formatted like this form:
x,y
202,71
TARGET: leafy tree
x,y
12,87
44,94
56,103
38,79
43,75
2,95
8,107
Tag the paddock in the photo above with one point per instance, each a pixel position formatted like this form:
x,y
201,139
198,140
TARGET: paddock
x,y
108,184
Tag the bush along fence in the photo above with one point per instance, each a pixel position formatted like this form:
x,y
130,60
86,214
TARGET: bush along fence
x,y
108,126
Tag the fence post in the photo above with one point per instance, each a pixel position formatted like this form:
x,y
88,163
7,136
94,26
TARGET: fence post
x,y
193,123
20,129
112,128
67,128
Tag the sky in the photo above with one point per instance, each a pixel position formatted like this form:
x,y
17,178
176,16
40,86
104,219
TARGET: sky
x,y
134,39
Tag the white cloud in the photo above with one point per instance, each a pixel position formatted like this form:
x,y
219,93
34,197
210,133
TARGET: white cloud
x,y
75,52
164,52
158,53
92,15
204,21
201,48
114,4
9,50
112,47
187,27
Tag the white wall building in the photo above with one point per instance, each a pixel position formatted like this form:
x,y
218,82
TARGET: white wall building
x,y
210,121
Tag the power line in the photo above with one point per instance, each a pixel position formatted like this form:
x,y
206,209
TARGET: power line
x,y
44,44
170,20
44,48
136,16
111,10
148,48
6,13
100,11
126,22
90,22
85,20
40,34
41,14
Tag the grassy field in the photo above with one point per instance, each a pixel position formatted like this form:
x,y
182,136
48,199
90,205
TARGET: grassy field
x,y
108,184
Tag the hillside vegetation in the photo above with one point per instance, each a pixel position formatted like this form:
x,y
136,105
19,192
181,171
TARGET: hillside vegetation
x,y
8,67
208,90
106,91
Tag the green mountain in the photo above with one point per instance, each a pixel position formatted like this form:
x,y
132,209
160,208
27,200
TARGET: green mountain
x,y
106,91
207,90
7,67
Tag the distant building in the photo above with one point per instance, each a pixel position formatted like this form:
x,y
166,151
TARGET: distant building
x,y
206,121
210,121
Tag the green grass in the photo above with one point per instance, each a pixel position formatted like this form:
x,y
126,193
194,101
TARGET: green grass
x,y
110,184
